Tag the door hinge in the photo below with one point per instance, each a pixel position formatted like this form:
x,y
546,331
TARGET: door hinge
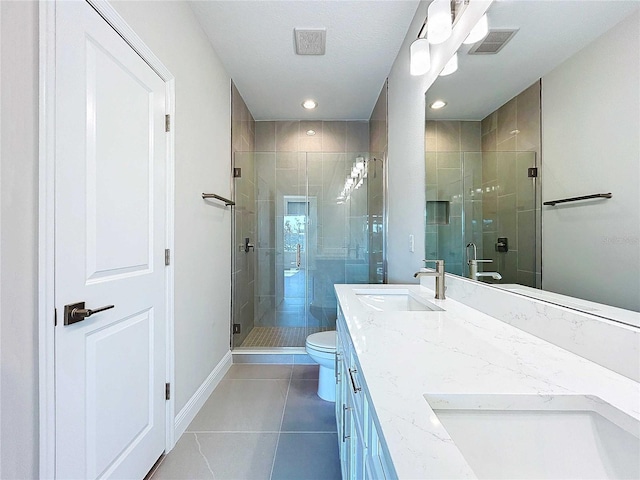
x,y
167,123
532,172
167,256
167,391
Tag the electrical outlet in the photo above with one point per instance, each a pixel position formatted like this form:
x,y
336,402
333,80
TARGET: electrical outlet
x,y
236,328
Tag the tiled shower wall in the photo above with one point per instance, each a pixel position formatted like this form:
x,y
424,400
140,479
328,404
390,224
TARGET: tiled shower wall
x,y
453,174
511,144
243,145
378,140
483,167
336,240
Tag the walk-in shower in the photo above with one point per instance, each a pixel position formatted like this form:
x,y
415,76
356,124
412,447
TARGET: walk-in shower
x,y
481,206
303,221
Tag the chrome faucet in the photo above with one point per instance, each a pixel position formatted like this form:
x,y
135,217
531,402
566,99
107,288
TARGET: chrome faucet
x,y
439,274
473,265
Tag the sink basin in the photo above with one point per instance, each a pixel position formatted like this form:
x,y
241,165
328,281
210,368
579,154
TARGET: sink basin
x,y
540,436
394,300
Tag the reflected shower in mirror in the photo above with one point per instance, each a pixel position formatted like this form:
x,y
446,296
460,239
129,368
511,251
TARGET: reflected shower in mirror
x,y
552,113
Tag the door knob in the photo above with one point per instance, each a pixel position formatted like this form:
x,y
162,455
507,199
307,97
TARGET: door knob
x,y
75,312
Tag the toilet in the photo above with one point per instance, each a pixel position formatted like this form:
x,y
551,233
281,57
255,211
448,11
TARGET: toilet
x,y
321,347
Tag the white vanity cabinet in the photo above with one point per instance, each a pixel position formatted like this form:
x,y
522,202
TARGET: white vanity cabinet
x,y
362,452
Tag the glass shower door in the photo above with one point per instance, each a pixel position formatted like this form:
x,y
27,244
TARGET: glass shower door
x,y
311,232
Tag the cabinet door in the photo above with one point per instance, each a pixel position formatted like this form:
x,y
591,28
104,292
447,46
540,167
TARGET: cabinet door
x,y
358,447
343,416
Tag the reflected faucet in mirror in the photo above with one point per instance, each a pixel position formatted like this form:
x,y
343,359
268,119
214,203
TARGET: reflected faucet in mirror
x,y
439,274
473,265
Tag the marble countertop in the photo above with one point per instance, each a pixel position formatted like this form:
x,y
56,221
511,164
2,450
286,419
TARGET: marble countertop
x,y
406,355
627,317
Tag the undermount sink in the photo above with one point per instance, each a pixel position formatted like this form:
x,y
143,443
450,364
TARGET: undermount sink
x,y
540,436
394,300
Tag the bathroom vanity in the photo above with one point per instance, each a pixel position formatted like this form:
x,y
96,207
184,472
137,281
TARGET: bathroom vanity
x,y
435,389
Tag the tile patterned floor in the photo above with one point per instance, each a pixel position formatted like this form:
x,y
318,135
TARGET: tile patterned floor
x,y
261,422
280,336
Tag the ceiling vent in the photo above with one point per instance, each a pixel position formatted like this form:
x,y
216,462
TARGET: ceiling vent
x,y
310,41
493,42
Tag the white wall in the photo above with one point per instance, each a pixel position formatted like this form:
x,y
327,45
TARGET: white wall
x,y
591,144
203,150
406,194
18,230
203,252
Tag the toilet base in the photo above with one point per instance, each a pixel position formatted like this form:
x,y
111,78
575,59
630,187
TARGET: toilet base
x,y
327,384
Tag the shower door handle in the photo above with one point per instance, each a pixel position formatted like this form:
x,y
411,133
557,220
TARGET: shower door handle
x,y
298,255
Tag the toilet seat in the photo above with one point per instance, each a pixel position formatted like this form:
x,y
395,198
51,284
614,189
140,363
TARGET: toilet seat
x,y
322,341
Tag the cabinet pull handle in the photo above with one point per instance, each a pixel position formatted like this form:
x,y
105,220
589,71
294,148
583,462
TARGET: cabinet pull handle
x,y
353,382
344,423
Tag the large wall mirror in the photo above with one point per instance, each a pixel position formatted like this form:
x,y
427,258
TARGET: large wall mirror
x,y
545,108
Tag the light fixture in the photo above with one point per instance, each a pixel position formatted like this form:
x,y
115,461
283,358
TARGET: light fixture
x,y
438,104
439,21
420,57
451,66
311,133
309,104
479,31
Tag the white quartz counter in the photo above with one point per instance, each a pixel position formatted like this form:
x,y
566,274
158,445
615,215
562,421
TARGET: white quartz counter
x,y
405,355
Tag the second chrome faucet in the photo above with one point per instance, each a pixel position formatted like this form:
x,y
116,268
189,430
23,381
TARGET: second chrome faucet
x,y
439,274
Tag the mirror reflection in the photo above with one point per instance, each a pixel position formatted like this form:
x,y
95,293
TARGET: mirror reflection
x,y
546,107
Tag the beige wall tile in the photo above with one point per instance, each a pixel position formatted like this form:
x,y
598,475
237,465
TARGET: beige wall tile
x,y
310,143
431,171
489,142
525,186
507,219
287,136
508,145
265,136
528,119
448,136
470,136
334,136
489,167
507,164
490,207
357,137
506,120
526,240
489,123
449,159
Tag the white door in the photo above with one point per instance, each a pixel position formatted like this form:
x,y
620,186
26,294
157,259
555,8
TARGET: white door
x,y
110,226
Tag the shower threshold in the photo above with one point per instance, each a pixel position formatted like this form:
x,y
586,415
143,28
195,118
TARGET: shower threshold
x,y
272,355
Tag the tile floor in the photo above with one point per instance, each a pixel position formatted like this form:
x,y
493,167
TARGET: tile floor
x,y
261,422
280,336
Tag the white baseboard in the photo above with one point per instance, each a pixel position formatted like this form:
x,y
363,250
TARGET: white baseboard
x,y
195,403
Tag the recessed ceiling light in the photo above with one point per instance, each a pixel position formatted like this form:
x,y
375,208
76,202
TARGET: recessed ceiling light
x,y
438,104
309,104
311,133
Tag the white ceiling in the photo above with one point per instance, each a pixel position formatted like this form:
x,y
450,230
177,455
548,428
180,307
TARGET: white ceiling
x,y
550,32
255,41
